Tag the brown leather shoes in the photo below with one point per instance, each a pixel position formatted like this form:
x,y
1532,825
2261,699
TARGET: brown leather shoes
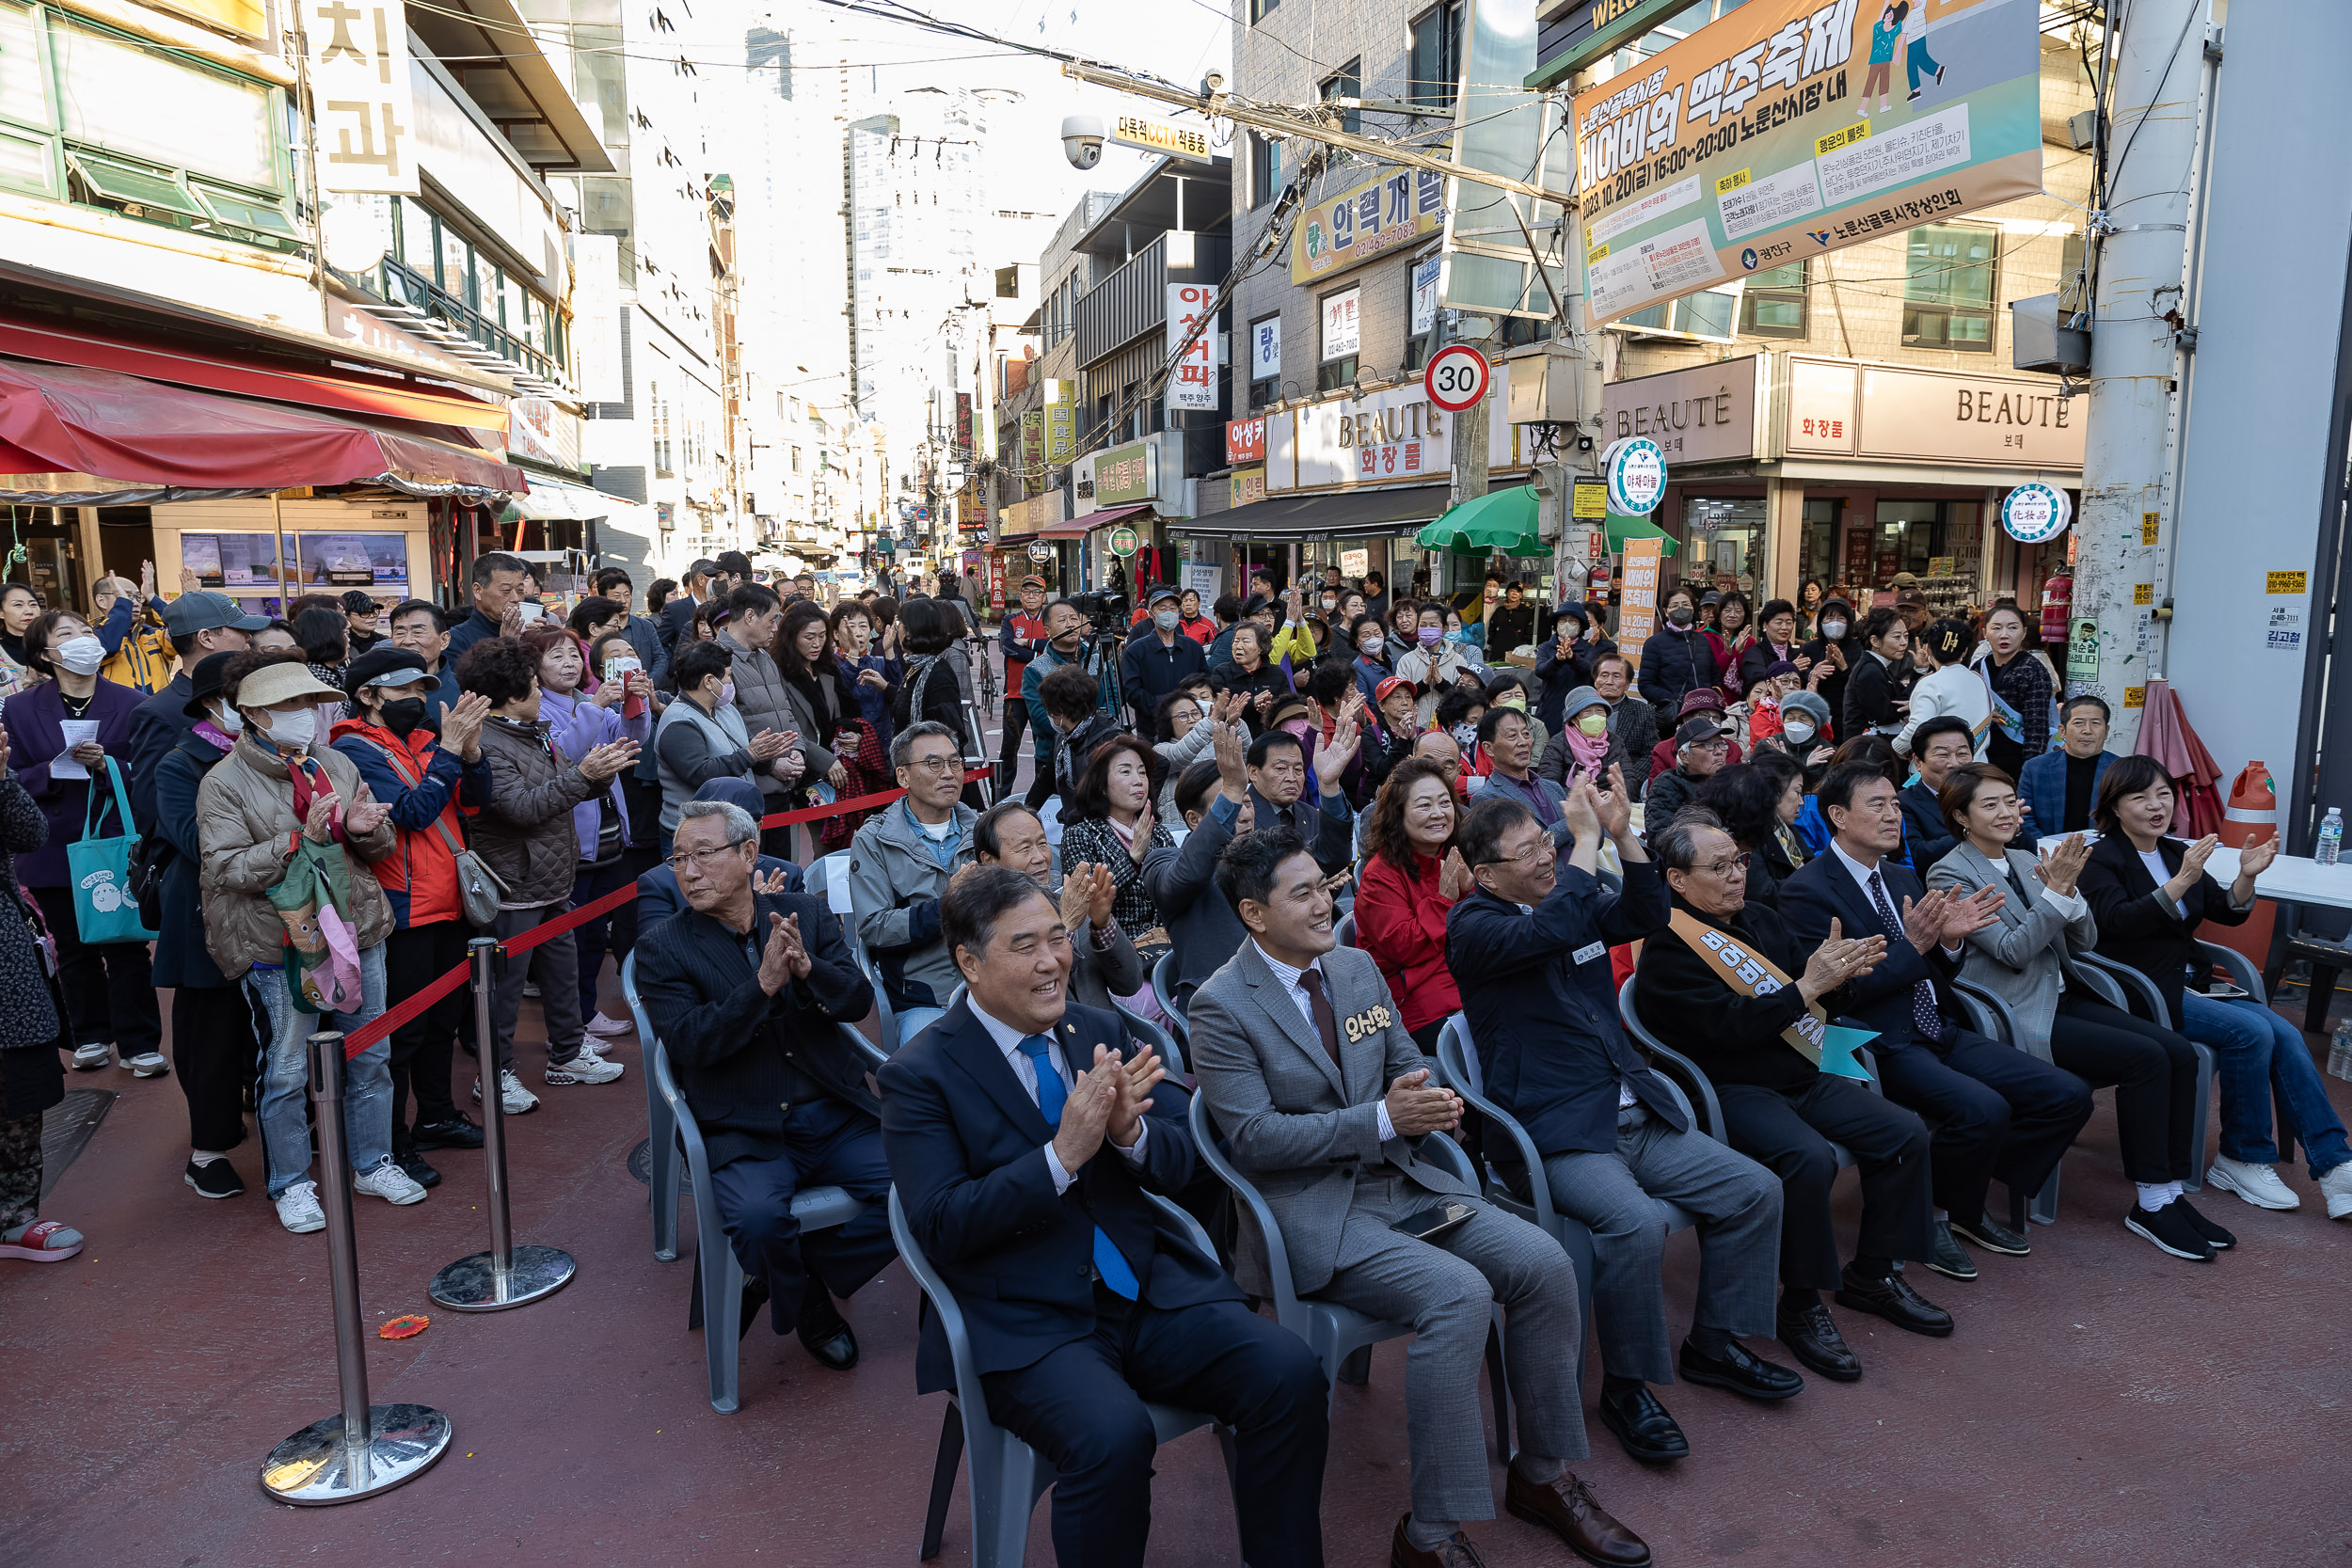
x,y
1567,1507
1455,1552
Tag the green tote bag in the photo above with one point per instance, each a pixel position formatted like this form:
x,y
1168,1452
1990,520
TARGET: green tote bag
x,y
103,909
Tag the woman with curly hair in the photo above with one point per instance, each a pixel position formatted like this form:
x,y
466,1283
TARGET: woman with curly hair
x,y
1109,822
1411,877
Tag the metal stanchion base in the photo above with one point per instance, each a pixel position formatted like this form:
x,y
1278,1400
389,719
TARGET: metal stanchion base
x,y
471,1285
314,1467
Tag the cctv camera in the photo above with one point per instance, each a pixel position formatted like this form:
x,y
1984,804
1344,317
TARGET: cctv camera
x,y
1082,140
1213,83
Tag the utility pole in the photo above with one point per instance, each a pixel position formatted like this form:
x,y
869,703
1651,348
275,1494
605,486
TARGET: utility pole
x,y
2126,530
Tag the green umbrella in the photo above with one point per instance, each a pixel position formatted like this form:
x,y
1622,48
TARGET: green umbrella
x,y
1501,520
1621,527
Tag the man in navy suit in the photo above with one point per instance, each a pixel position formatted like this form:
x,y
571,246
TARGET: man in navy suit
x,y
1022,1140
744,989
658,895
1997,1111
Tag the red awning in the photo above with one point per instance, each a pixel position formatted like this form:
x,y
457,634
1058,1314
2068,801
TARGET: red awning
x,y
57,419
342,391
1078,528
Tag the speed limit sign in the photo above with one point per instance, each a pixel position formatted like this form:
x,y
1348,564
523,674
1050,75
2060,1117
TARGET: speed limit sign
x,y
1456,378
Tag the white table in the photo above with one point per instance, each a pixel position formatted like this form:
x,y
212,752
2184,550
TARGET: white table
x,y
2290,878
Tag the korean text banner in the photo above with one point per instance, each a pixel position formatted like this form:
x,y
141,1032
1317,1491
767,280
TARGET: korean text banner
x,y
1790,127
1365,221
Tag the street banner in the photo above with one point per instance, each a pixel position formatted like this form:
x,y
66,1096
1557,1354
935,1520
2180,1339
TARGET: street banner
x,y
1792,127
1637,604
359,91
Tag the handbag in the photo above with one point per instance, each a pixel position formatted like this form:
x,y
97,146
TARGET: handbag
x,y
149,859
105,908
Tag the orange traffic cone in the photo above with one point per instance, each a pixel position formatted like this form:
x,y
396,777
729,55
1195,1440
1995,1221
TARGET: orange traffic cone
x,y
2252,815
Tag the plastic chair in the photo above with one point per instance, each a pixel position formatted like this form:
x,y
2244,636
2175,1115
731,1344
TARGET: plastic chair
x,y
1159,1039
1007,1476
664,1158
718,1300
1686,1076
1335,1333
2099,969
1164,986
1344,932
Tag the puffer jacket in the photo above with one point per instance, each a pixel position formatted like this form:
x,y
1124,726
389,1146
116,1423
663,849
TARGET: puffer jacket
x,y
424,785
767,702
525,834
247,827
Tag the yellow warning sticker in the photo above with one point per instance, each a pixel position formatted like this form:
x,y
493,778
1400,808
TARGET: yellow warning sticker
x,y
2286,582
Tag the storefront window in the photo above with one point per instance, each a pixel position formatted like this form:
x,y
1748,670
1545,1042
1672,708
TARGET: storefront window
x,y
1725,537
1910,535
1817,552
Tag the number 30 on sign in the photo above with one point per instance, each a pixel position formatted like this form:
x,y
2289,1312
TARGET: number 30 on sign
x,y
1456,378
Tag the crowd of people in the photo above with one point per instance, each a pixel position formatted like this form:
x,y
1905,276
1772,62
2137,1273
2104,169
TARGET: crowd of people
x,y
1304,833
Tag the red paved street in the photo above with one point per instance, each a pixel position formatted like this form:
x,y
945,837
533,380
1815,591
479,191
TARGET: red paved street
x,y
2100,1403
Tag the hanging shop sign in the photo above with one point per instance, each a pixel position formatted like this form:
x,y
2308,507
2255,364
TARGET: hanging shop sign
x,y
1748,145
1061,423
2033,514
1245,440
1372,219
1122,541
1188,142
1041,551
1635,469
360,87
1192,378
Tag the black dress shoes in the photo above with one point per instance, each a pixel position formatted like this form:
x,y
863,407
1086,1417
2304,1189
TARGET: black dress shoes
x,y
1811,1336
2215,1238
1745,1374
1891,1297
1993,1236
456,1133
823,1332
1641,1424
1951,1258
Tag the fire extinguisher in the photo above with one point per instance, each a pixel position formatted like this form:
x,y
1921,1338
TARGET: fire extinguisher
x,y
2058,599
2251,816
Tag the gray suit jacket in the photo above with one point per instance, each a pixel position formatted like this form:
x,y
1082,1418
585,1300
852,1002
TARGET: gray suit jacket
x,y
1297,1125
2022,954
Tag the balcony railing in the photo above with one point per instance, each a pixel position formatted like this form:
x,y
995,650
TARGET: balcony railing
x,y
420,306
1134,300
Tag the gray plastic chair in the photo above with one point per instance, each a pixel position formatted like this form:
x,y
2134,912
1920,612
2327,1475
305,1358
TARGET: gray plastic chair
x,y
664,1158
717,1305
2099,969
1688,1078
1008,1476
1344,932
1164,986
1336,1334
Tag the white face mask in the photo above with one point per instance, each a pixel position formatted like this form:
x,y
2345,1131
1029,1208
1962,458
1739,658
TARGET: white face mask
x,y
81,655
1798,734
293,732
1834,629
227,721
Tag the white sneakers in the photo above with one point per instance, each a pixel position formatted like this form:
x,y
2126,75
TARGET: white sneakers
x,y
88,1058
389,1183
2336,1187
604,1026
586,1068
147,1064
299,1208
2258,1184
513,1097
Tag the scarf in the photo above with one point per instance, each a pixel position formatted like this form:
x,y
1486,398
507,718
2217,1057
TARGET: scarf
x,y
215,737
1590,751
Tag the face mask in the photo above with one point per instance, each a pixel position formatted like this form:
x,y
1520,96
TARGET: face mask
x,y
81,655
1680,616
1296,728
1457,637
293,732
1593,724
1798,734
228,722
1516,703
1430,636
1834,629
1466,736
404,714
1329,604
726,694
1166,618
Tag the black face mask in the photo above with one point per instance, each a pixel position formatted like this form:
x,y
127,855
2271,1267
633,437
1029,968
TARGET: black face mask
x,y
402,715
1680,616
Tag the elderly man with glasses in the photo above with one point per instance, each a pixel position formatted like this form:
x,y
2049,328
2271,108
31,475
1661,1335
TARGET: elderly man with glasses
x,y
899,863
1530,952
744,989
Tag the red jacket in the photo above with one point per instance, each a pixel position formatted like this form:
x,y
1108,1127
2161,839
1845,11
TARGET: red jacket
x,y
423,785
1400,921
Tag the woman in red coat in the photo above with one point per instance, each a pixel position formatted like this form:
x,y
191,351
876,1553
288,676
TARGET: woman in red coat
x,y
1412,879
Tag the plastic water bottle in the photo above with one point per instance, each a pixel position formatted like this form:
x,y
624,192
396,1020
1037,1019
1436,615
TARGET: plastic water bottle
x,y
2340,1052
2330,837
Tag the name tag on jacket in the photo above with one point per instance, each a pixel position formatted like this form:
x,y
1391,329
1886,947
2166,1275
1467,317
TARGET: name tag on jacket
x,y
1370,1021
1587,954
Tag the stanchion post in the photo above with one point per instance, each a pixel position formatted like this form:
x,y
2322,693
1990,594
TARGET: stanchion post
x,y
365,1448
506,1275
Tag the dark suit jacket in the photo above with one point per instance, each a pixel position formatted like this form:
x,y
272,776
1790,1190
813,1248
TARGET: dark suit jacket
x,y
1330,835
1183,882
1733,1038
657,896
2139,925
156,727
1925,835
1537,992
1822,890
966,1146
2041,789
738,1052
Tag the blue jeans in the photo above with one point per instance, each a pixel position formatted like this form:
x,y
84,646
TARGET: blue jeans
x,y
286,1072
2254,1049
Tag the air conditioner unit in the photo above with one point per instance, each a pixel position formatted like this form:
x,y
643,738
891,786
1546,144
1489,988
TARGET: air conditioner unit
x,y
2043,339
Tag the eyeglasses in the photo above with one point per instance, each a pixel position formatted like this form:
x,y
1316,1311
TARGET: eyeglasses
x,y
1735,866
938,768
703,859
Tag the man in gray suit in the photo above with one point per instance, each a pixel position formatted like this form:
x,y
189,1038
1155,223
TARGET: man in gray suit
x,y
1321,1093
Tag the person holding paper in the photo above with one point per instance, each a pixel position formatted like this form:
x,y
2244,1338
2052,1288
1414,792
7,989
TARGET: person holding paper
x,y
1784,1102
65,734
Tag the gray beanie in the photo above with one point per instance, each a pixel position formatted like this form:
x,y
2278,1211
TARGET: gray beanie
x,y
1808,704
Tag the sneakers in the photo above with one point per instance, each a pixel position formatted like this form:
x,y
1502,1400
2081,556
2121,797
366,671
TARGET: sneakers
x,y
298,1208
89,1058
147,1064
2169,1228
2257,1184
214,1178
586,1068
513,1097
389,1183
604,1026
531,989
2336,1187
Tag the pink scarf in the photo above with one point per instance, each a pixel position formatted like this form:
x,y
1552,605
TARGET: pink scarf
x,y
1590,751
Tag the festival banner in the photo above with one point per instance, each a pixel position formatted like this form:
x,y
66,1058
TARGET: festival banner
x,y
1791,128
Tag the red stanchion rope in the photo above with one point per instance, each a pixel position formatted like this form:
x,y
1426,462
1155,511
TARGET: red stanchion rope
x,y
381,1026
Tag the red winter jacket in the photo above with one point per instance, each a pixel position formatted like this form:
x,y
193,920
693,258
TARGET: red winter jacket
x,y
420,783
1400,921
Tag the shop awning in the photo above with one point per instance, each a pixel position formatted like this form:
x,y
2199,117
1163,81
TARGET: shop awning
x,y
144,436
1369,513
1500,520
556,501
1620,529
1078,528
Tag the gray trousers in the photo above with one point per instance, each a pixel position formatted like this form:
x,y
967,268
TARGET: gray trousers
x,y
1447,1290
1621,1195
554,966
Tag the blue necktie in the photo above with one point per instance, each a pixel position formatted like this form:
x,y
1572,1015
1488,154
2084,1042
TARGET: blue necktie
x,y
1051,1093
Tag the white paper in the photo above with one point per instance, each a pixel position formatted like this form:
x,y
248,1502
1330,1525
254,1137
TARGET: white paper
x,y
77,732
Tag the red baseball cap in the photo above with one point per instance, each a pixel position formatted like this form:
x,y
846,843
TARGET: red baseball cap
x,y
1380,693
